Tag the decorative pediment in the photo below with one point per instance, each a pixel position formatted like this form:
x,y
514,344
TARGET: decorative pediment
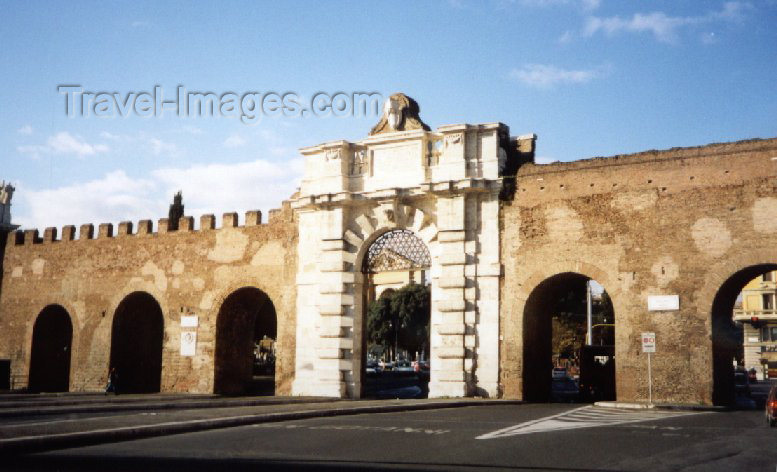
x,y
400,113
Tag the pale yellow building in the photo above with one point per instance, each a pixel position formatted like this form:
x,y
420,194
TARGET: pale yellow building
x,y
758,316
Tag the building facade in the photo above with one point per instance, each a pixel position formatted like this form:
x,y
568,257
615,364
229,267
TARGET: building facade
x,y
758,316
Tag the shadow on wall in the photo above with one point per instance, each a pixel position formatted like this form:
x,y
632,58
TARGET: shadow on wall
x,y
52,336
136,343
245,318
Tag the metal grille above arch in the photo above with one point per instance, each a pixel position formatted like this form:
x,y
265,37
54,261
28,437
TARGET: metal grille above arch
x,y
399,249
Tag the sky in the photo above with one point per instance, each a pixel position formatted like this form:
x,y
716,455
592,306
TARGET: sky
x,y
85,138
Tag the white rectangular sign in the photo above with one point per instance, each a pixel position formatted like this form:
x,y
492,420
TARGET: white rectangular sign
x,y
188,343
189,321
663,302
648,342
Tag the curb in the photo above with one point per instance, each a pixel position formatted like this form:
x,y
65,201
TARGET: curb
x,y
31,444
138,405
659,406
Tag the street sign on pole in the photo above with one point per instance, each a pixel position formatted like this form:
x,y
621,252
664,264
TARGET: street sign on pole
x,y
649,347
648,342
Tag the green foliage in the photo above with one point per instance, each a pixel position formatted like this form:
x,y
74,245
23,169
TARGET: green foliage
x,y
569,319
401,318
379,322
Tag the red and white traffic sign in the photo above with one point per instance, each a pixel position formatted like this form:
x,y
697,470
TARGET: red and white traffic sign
x,y
648,342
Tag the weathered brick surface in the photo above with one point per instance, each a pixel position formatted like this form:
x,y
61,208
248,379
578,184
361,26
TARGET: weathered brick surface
x,y
185,271
681,221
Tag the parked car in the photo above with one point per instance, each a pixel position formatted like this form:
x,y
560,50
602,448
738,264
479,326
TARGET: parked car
x,y
741,383
564,391
751,376
771,407
559,373
373,368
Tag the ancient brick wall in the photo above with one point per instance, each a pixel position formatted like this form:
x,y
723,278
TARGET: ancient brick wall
x,y
681,221
186,271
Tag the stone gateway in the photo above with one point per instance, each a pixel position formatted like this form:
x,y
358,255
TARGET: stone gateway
x,y
504,237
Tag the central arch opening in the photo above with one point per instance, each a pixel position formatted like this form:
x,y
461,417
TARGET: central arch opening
x,y
397,317
52,336
136,344
564,360
246,330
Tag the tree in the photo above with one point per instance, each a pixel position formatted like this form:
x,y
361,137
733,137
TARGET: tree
x,y
400,319
379,323
412,307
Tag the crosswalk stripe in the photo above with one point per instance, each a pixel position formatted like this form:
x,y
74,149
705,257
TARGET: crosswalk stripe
x,y
583,417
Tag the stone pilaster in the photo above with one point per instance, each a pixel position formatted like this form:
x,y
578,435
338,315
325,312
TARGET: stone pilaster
x,y
448,305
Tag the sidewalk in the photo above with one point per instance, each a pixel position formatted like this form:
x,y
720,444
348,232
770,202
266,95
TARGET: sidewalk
x,y
29,404
660,406
19,436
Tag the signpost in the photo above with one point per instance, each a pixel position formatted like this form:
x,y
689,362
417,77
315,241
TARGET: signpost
x,y
649,347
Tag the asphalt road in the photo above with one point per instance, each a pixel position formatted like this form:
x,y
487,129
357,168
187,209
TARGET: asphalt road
x,y
537,437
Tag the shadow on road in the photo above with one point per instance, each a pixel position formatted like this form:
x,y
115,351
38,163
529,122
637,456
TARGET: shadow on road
x,y
404,385
132,464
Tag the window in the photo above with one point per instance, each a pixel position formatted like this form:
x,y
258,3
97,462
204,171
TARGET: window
x,y
768,301
769,333
768,277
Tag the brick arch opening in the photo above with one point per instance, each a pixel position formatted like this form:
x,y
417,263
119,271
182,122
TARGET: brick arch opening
x,y
391,261
726,338
52,337
596,363
136,343
246,330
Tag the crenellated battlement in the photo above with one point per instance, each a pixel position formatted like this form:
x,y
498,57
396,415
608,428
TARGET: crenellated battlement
x,y
144,228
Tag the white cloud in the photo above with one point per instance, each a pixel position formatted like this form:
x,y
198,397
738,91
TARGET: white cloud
x,y
213,188
32,150
567,37
63,143
218,188
584,4
111,136
25,130
663,27
547,76
191,129
234,141
159,147
708,38
114,197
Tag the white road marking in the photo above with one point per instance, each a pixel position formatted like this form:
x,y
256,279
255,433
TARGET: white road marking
x,y
583,417
347,427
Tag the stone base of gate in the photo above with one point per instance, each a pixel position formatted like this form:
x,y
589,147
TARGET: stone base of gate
x,y
447,389
319,389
